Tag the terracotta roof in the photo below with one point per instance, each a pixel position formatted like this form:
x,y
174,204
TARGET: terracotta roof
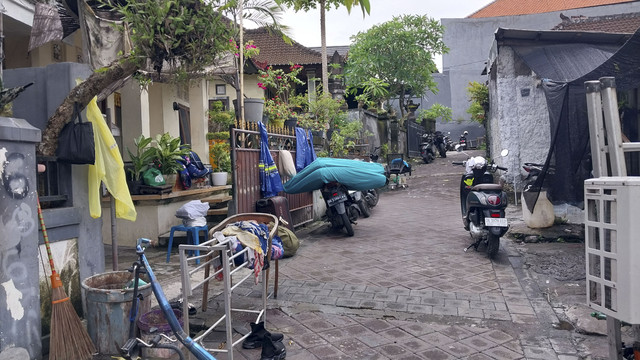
x,y
620,23
524,7
275,51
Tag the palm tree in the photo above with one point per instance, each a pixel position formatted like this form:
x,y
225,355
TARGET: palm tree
x,y
306,5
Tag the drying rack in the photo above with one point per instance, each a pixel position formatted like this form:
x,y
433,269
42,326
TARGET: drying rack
x,y
211,251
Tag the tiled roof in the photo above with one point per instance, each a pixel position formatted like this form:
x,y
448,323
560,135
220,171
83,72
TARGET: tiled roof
x,y
524,7
620,23
275,51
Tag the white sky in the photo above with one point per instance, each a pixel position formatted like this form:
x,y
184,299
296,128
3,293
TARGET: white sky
x,y
340,25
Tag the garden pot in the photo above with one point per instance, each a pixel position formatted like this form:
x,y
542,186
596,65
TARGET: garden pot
x,y
134,186
219,178
291,122
253,109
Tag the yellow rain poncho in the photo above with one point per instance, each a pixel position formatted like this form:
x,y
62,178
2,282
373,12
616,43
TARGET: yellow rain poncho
x,y
109,168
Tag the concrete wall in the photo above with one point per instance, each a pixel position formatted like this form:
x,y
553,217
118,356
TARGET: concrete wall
x,y
20,327
469,41
517,123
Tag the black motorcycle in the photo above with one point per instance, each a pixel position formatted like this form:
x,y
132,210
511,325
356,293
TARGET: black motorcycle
x,y
483,203
462,142
439,142
343,207
448,142
427,148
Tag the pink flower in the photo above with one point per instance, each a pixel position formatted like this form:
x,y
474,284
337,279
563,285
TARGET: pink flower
x,y
231,40
278,77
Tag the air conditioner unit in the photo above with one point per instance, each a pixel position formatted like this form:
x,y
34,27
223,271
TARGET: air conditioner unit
x,y
612,246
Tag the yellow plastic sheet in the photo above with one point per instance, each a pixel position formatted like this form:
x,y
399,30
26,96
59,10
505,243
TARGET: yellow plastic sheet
x,y
109,168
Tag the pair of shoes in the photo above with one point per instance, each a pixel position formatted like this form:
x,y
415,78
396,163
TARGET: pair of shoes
x,y
272,350
178,305
258,333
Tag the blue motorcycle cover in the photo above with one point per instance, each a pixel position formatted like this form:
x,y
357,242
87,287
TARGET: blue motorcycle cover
x,y
354,174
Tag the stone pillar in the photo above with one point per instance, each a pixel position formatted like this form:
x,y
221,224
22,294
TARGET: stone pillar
x,y
20,329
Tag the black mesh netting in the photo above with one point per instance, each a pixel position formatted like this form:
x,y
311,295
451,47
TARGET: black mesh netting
x,y
566,101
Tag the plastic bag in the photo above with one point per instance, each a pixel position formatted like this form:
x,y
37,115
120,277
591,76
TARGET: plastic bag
x,y
193,210
153,177
76,144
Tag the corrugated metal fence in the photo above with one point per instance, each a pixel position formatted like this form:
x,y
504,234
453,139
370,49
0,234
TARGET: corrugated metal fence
x,y
245,155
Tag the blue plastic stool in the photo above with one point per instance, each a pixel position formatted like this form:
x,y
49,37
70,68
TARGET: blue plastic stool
x,y
195,231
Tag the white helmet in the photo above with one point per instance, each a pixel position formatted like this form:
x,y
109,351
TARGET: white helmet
x,y
466,132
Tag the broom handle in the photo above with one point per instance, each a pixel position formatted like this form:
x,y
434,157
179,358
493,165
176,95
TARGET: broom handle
x,y
46,237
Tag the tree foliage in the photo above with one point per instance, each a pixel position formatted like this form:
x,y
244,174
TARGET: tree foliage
x,y
479,98
186,35
399,52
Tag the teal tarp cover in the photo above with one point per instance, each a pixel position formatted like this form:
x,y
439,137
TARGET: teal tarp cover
x,y
354,174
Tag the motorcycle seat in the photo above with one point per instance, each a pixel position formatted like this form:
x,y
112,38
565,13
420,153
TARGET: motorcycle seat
x,y
485,187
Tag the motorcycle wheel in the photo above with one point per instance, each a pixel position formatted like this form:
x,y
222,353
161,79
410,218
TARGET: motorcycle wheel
x,y
372,197
347,224
364,208
493,244
442,150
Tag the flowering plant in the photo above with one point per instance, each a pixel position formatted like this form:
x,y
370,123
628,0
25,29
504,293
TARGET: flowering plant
x,y
281,83
277,111
250,50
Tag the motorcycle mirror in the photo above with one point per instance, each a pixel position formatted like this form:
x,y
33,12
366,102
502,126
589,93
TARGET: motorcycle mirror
x,y
504,152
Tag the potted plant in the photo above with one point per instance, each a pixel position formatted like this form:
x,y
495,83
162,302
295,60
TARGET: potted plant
x,y
141,161
221,162
168,151
219,119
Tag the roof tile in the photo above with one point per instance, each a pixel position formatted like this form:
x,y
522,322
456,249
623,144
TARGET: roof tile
x,y
525,7
620,23
275,51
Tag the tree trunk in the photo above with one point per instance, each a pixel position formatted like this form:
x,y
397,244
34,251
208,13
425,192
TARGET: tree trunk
x,y
323,40
82,94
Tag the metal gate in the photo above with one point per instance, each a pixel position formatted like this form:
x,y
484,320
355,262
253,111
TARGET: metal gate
x,y
414,137
245,156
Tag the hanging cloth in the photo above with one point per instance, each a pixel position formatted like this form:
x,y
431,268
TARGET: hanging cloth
x,y
108,168
304,149
270,182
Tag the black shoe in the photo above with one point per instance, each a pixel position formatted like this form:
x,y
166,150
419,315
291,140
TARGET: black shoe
x,y
178,305
258,333
272,350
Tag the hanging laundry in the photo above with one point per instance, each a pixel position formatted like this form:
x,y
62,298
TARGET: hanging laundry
x,y
270,182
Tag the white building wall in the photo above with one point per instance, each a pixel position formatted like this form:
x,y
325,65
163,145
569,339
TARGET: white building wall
x,y
519,123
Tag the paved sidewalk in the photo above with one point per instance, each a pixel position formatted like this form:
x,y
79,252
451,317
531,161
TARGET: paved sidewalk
x,y
402,288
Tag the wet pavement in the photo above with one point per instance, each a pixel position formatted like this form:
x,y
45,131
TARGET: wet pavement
x,y
403,288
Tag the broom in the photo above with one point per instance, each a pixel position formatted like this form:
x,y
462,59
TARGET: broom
x,y
69,339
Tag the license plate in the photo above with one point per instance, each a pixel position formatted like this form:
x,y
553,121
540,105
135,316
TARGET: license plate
x,y
500,222
337,199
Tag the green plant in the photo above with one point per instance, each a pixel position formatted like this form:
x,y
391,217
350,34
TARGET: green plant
x,y
374,92
479,98
278,111
384,150
400,53
219,135
221,157
434,112
143,157
343,138
220,120
280,83
168,151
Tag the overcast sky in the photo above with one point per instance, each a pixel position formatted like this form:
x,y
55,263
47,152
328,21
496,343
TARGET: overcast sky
x,y
305,27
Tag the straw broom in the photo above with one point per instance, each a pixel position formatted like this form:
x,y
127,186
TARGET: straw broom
x,y
69,339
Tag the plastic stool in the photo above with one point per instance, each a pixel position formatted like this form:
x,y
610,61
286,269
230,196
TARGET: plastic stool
x,y
194,230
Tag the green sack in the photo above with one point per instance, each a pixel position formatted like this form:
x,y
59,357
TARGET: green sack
x,y
290,242
153,177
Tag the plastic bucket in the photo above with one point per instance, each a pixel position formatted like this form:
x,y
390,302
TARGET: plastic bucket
x,y
252,109
153,323
108,307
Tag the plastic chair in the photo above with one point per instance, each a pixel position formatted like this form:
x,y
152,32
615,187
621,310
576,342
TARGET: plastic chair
x,y
194,230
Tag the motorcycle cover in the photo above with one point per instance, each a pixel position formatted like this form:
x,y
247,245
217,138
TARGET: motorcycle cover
x,y
354,174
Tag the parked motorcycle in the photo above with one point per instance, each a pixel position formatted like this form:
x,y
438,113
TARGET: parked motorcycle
x,y
342,206
483,203
533,171
448,142
462,142
427,148
438,141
